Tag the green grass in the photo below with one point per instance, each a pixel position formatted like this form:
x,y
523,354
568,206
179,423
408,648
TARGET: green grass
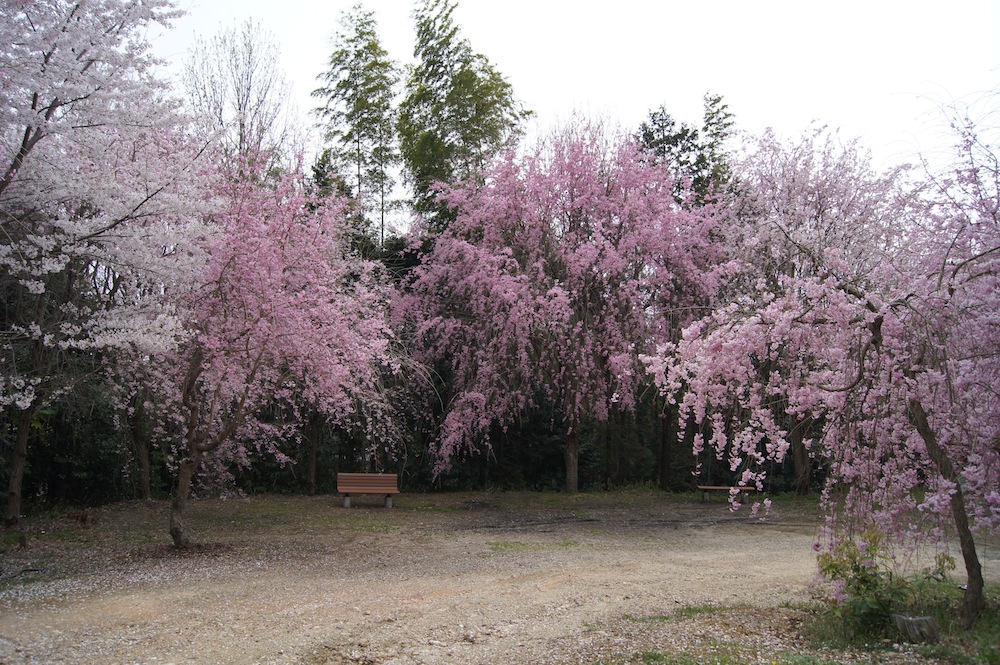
x,y
657,657
939,599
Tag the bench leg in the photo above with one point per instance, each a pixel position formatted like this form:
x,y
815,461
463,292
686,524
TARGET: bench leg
x,y
347,501
388,501
704,496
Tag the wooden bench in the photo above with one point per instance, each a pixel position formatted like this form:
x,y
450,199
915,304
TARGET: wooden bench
x,y
367,483
706,489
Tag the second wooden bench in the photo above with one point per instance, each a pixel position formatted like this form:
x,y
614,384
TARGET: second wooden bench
x,y
706,489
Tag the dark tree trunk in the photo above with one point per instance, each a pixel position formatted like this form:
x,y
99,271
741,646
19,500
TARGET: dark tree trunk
x,y
20,455
140,444
312,445
608,453
668,436
974,602
623,430
800,456
572,461
184,476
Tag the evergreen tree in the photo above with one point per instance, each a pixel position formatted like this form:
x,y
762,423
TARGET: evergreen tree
x,y
716,129
696,157
458,110
357,94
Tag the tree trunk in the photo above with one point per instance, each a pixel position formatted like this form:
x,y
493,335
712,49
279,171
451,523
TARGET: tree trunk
x,y
974,602
184,476
608,452
800,456
616,432
20,455
140,444
668,436
572,461
312,446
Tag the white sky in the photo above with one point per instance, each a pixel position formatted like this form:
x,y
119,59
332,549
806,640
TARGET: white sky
x,y
877,69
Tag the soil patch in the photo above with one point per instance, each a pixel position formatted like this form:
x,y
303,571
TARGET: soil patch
x,y
448,578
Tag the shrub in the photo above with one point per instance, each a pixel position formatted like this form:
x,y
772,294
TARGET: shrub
x,y
861,586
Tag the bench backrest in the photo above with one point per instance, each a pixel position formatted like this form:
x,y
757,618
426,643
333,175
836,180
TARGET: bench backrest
x,y
367,483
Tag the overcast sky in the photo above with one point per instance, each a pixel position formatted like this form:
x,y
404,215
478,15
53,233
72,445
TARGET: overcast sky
x,y
877,69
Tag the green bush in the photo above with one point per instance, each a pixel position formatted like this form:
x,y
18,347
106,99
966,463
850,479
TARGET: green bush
x,y
862,588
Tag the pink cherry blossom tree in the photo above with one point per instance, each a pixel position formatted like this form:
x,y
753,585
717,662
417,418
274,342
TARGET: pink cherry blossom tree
x,y
97,198
544,286
869,306
282,318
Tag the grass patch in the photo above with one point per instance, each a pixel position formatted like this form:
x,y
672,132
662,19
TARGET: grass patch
x,y
65,535
657,657
927,597
429,505
517,547
17,580
270,507
366,523
579,503
728,654
683,613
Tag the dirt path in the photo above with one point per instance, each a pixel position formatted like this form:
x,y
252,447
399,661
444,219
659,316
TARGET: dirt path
x,y
453,579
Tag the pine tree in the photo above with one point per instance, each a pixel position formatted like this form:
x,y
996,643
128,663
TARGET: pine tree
x,y
358,112
696,157
458,112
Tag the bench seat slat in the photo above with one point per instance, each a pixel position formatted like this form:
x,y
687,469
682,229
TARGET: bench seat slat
x,y
705,489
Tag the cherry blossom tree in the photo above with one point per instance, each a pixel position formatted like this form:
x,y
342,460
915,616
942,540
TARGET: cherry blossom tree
x,y
542,288
97,199
868,306
282,319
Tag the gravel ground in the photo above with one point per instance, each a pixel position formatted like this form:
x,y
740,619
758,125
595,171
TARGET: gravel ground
x,y
457,578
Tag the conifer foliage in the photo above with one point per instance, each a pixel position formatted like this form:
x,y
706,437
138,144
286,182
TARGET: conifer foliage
x,y
359,113
458,111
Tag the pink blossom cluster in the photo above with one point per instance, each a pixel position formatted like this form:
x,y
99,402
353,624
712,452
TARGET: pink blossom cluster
x,y
865,304
223,301
559,270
